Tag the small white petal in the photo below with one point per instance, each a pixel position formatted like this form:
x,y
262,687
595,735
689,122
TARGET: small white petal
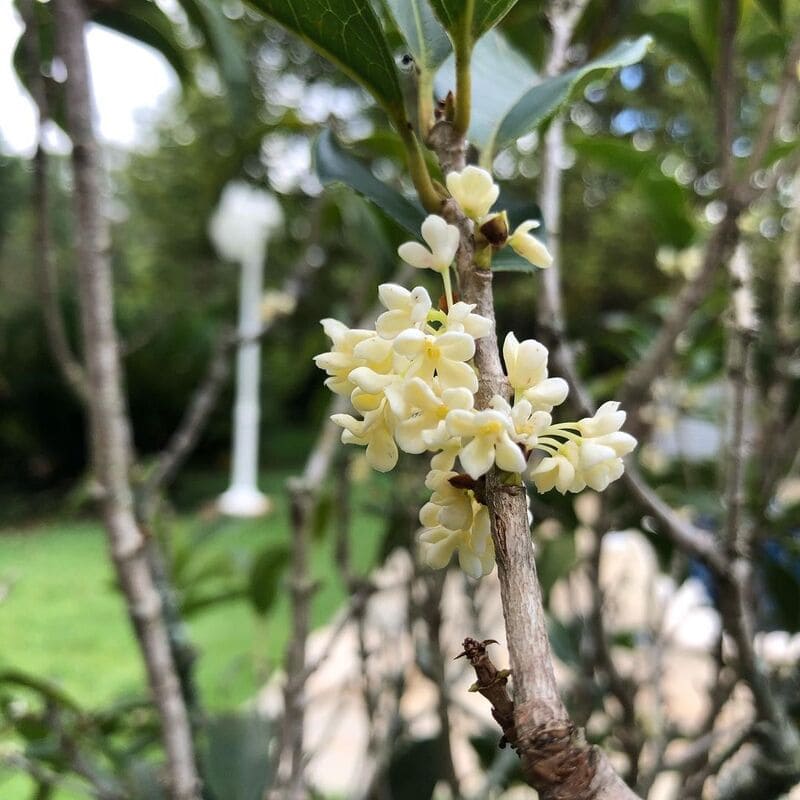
x,y
414,254
477,457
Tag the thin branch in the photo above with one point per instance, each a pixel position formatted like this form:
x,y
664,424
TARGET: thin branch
x,y
205,396
637,386
47,277
743,330
727,96
772,117
563,18
109,423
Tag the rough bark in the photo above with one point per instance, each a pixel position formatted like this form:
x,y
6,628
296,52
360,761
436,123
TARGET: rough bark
x,y
108,421
556,761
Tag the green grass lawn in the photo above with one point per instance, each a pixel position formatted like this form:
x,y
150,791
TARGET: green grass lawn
x,y
62,618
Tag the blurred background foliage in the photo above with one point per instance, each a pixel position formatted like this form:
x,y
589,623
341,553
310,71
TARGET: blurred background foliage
x,y
639,199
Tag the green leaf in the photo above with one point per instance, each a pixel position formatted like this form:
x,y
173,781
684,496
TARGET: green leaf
x,y
541,102
486,15
45,45
555,559
425,37
335,165
146,23
675,33
235,761
500,76
264,579
565,640
349,34
774,10
664,200
225,48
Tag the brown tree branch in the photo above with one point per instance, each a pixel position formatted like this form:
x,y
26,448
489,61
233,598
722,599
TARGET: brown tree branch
x,y
47,277
109,425
543,729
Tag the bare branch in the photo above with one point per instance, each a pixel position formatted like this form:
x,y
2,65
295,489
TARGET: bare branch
x,y
108,419
726,93
47,278
776,111
636,388
743,330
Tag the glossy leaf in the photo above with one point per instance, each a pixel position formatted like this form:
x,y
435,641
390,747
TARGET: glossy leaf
x,y
664,200
227,51
45,44
424,35
236,763
500,76
675,33
336,165
347,33
486,15
774,10
146,23
555,560
541,102
264,579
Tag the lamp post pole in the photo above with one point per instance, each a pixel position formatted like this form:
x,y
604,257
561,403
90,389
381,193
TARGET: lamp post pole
x,y
240,229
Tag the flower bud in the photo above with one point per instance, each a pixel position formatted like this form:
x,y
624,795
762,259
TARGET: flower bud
x,y
495,229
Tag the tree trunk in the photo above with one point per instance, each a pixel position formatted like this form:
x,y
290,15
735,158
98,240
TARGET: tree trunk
x,y
108,420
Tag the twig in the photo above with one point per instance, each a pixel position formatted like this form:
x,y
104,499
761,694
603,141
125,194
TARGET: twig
x,y
205,396
563,18
743,331
431,612
623,689
726,89
109,423
686,536
773,116
61,350
693,787
637,386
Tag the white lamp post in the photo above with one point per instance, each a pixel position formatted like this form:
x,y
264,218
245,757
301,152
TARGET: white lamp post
x,y
240,229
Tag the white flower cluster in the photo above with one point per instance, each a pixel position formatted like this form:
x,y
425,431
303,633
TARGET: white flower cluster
x,y
413,385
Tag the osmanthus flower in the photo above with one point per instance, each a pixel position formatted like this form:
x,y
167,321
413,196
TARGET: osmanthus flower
x,y
556,471
445,354
374,432
473,544
528,246
449,505
341,360
460,318
404,309
474,191
413,385
442,239
423,427
490,440
528,424
526,367
589,455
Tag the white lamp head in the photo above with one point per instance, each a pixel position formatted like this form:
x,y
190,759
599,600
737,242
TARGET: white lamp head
x,y
243,221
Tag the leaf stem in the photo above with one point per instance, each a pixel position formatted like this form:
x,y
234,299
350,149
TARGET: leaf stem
x,y
463,48
417,168
425,102
448,288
